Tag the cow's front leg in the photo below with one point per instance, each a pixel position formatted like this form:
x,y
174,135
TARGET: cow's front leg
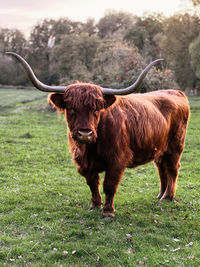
x,y
111,182
94,181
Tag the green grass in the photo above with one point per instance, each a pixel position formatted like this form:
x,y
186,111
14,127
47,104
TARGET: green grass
x,y
44,217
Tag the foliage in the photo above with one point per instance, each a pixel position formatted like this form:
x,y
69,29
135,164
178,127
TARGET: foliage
x,y
74,56
7,67
161,79
114,22
11,40
137,35
62,50
44,202
194,50
180,31
143,34
118,65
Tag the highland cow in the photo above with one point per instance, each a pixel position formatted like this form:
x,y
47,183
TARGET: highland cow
x,y
110,130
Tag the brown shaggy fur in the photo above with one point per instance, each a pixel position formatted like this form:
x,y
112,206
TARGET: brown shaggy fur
x,y
127,131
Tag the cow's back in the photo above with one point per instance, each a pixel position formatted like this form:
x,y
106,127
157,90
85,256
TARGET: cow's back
x,y
140,124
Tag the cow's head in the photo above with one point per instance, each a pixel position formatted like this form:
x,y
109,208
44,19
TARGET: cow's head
x,y
82,103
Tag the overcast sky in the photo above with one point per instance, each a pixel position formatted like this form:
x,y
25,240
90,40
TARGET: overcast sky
x,y
24,14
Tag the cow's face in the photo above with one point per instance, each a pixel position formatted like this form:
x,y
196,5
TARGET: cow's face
x,y
82,104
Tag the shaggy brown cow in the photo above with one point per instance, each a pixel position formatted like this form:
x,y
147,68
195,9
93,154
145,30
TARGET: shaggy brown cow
x,y
110,133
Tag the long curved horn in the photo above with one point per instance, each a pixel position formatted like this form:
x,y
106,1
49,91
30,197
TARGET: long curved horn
x,y
134,86
39,85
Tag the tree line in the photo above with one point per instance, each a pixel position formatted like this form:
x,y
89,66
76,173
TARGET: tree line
x,y
111,52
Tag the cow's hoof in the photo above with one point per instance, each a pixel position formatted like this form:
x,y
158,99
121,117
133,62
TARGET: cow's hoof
x,y
94,207
108,215
166,198
159,196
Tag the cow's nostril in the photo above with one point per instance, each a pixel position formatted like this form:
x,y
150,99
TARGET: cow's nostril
x,y
85,132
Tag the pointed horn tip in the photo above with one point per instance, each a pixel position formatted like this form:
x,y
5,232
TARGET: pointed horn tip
x,y
159,59
39,85
11,53
131,88
155,62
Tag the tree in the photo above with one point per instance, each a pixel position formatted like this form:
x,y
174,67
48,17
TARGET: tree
x,y
49,36
194,50
11,72
65,26
179,32
39,48
89,27
118,65
143,34
138,36
74,56
114,22
114,62
112,52
12,40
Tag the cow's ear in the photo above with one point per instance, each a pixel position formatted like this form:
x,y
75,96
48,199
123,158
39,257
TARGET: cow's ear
x,y
57,100
109,100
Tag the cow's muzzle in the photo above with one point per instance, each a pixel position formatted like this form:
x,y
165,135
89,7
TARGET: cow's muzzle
x,y
85,135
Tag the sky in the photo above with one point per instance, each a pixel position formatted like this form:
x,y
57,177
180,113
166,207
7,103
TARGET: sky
x,y
24,14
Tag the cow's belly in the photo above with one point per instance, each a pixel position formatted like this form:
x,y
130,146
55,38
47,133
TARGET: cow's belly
x,y
144,156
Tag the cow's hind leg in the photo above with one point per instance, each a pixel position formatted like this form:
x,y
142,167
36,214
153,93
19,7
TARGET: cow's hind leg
x,y
162,169
168,166
94,181
169,163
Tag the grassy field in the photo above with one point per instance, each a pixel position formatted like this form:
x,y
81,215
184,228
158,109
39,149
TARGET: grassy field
x,y
44,217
